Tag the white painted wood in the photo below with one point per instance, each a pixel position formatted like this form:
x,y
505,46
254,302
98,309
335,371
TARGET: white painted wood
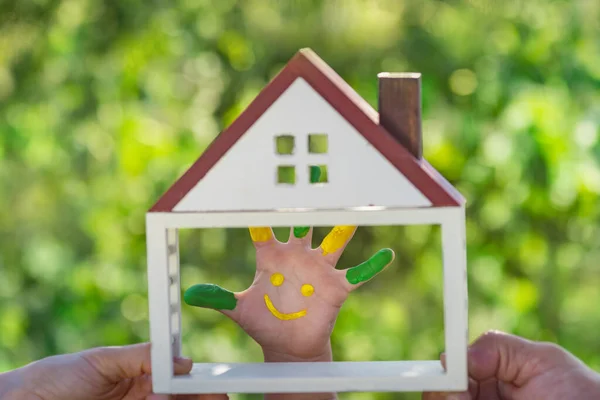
x,y
455,295
159,304
314,377
302,377
361,217
174,289
245,178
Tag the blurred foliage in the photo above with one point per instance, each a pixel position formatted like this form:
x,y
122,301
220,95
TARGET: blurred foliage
x,y
103,104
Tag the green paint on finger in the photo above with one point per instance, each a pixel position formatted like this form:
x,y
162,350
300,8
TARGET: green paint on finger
x,y
315,173
365,271
301,231
210,296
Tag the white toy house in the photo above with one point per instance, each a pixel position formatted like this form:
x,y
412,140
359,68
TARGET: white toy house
x,y
375,176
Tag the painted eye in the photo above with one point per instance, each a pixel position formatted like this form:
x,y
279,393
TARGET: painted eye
x,y
277,279
307,290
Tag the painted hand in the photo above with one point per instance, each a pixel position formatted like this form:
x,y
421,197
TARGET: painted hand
x,y
291,307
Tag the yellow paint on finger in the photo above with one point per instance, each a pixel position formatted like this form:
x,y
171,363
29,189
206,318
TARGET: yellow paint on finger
x,y
280,315
336,239
261,234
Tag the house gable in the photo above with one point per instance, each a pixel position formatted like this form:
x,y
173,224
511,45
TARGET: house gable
x,y
246,177
339,96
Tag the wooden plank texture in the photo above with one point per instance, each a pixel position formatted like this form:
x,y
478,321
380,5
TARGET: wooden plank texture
x,y
400,109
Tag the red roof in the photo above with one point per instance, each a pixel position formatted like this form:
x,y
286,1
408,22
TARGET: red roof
x,y
324,80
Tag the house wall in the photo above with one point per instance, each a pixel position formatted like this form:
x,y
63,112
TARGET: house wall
x,y
246,177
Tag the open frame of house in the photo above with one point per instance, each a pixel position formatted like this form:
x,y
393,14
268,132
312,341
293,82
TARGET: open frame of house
x,y
376,175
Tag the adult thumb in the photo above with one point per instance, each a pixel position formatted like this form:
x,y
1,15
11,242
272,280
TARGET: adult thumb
x,y
504,357
118,363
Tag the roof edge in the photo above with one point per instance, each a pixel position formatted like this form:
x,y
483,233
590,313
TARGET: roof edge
x,y
226,139
359,113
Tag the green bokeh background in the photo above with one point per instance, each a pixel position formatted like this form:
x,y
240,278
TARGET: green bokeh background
x,y
103,104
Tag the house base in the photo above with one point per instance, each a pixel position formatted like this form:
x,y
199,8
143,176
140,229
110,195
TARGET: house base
x,y
386,376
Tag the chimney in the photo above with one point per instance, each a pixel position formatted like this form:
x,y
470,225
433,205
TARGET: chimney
x,y
400,108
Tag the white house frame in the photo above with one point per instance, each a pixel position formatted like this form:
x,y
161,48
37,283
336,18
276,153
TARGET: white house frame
x,y
415,194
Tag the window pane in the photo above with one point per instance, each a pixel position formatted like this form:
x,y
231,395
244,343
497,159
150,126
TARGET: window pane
x,y
317,143
284,144
286,174
318,174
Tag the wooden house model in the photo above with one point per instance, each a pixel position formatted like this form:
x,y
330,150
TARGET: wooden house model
x,y
375,175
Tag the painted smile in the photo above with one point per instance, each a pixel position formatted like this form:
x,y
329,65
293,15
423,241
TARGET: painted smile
x,y
280,315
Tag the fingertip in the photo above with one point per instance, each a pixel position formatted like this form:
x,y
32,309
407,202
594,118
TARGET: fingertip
x,y
182,365
486,348
300,232
337,240
499,355
392,252
388,256
261,235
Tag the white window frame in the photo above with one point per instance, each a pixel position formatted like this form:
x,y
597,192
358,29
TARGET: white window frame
x,y
301,171
398,376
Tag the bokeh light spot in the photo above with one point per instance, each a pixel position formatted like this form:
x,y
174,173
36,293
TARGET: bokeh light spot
x,y
134,308
463,82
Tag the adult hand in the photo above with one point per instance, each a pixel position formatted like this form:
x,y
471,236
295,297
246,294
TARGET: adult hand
x,y
507,367
108,373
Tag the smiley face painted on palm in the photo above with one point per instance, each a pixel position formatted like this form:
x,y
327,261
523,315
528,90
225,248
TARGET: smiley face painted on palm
x,y
277,280
297,291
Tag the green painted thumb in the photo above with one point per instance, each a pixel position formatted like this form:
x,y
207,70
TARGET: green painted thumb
x,y
208,295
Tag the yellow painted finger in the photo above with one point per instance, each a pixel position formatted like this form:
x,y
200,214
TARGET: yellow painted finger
x,y
261,234
337,239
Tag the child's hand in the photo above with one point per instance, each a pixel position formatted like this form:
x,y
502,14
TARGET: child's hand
x,y
291,307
